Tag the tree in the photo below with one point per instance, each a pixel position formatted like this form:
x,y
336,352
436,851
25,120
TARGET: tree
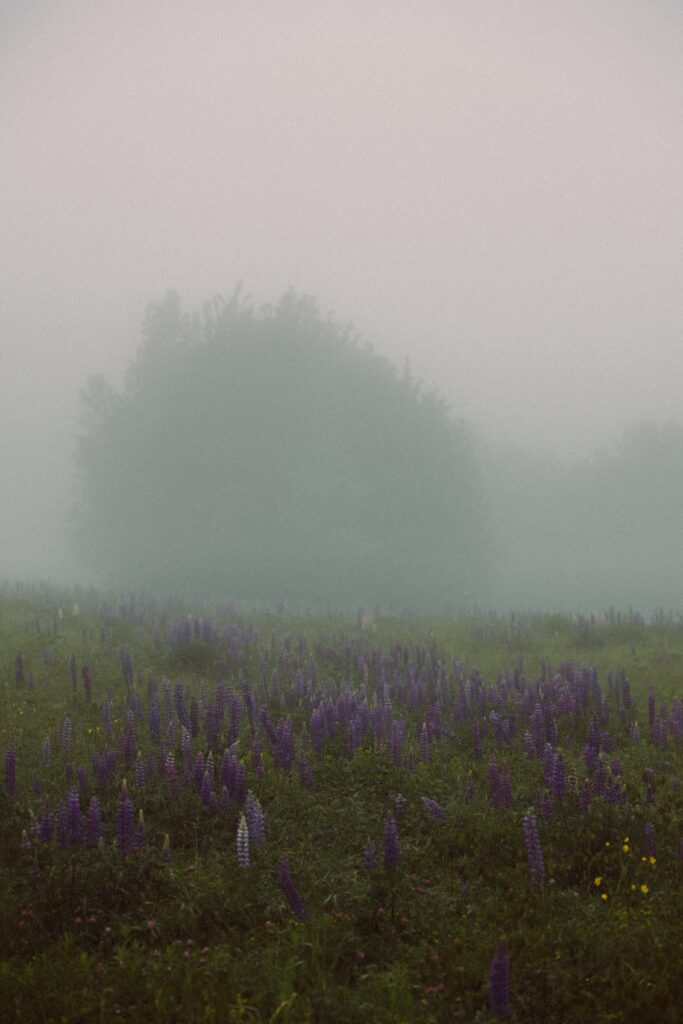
x,y
260,454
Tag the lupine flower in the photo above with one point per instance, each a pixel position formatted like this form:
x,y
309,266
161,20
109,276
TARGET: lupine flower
x,y
255,820
534,851
93,828
67,734
400,803
369,855
125,822
290,890
499,982
73,816
435,809
650,842
243,842
392,846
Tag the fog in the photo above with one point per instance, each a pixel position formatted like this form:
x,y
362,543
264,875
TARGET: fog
x,y
489,191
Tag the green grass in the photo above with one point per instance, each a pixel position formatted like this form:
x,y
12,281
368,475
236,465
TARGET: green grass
x,y
89,935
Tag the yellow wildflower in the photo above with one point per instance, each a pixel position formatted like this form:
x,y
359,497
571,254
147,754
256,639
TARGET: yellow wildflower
x,y
626,848
644,889
603,896
597,880
653,860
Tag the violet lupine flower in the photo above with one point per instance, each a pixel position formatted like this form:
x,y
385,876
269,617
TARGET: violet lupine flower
x,y
125,822
396,737
424,743
499,982
243,842
305,771
650,842
74,827
392,846
194,717
206,791
435,809
140,771
199,770
558,784
255,820
225,800
240,788
46,823
67,735
370,855
533,847
11,771
290,890
93,826
154,718
400,803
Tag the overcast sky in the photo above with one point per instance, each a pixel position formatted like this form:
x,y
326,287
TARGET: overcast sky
x,y
491,189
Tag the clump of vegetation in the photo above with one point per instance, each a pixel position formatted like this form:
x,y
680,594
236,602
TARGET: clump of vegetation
x,y
266,453
321,821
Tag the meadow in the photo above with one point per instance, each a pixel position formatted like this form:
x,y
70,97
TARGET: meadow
x,y
209,815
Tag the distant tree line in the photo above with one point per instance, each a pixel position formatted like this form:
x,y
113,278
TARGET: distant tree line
x,y
259,454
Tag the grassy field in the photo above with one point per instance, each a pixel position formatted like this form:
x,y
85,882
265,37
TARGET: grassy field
x,y
213,816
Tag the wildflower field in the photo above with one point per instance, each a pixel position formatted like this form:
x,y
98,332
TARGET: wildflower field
x,y
208,815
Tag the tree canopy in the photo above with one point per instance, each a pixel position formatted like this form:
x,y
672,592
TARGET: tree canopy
x,y
266,453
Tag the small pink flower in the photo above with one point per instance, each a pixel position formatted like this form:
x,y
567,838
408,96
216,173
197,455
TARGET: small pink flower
x,y
186,955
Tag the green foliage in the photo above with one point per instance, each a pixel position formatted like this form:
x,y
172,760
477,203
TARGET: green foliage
x,y
86,935
264,454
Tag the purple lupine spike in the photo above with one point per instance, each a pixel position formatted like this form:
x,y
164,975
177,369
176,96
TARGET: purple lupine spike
x,y
433,808
499,982
240,787
558,782
198,771
534,851
305,771
140,771
424,743
243,842
93,827
291,892
46,823
125,822
476,740
205,790
392,846
11,771
369,855
255,820
400,803
73,816
154,718
493,780
649,840
67,735
225,800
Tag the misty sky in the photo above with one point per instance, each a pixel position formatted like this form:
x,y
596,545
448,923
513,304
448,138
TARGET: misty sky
x,y
492,189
